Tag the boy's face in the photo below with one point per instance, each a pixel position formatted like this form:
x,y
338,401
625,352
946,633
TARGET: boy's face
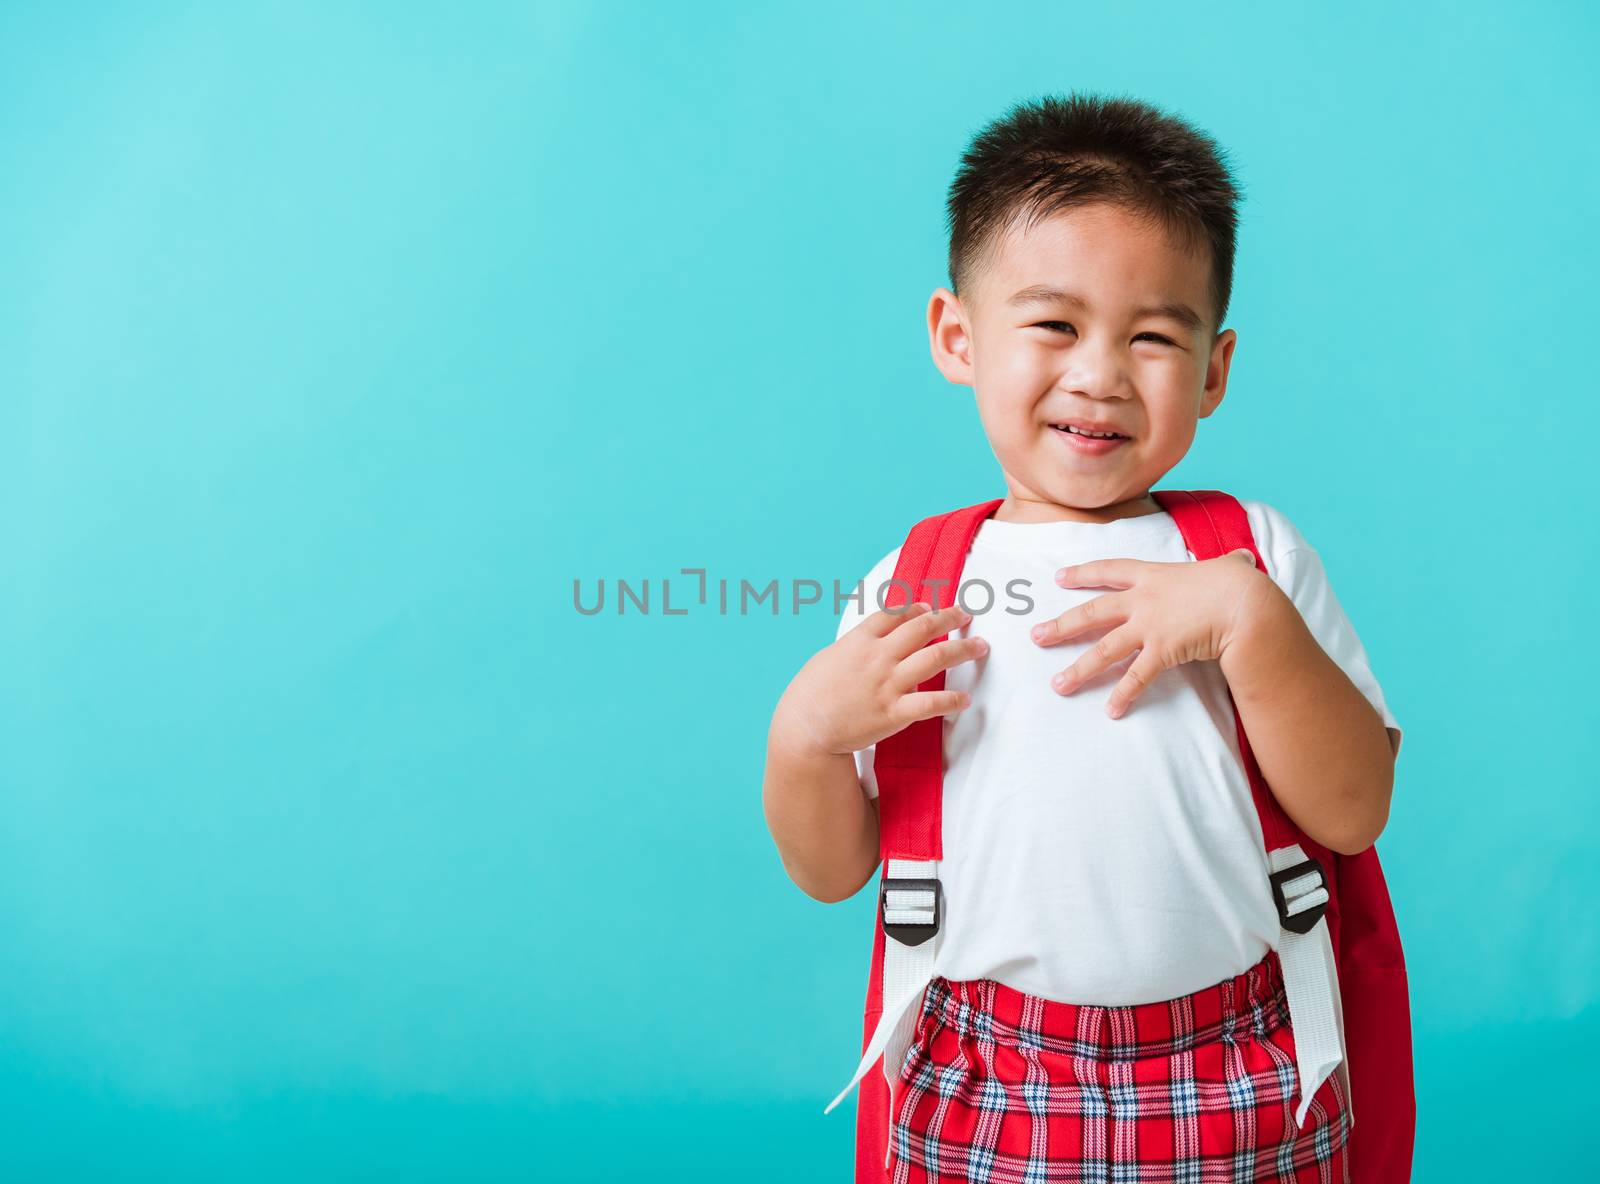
x,y
1080,321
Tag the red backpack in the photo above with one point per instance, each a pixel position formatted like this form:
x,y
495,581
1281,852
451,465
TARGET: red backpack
x,y
1310,883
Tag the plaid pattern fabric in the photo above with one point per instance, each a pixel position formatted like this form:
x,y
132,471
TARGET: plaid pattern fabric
x,y
1004,1087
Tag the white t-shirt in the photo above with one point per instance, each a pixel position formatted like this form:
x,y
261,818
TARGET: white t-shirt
x,y
1088,859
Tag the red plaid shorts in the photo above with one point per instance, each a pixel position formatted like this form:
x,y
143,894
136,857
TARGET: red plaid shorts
x,y
1009,1088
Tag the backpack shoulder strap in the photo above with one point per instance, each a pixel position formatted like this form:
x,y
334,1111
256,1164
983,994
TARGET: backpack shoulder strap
x,y
909,765
1214,523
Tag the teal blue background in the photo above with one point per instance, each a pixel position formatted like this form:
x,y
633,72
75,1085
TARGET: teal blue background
x,y
337,341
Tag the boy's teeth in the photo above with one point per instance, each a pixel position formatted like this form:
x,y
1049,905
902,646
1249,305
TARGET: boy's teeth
x,y
1095,435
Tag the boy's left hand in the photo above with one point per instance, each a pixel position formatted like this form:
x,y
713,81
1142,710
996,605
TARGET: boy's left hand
x,y
1170,613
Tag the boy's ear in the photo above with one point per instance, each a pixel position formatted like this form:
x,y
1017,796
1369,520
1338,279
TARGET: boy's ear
x,y
1217,372
950,337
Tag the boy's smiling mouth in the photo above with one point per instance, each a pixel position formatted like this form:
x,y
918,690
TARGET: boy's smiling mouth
x,y
1091,438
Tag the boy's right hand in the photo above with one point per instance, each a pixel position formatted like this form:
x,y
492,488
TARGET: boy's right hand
x,y
863,687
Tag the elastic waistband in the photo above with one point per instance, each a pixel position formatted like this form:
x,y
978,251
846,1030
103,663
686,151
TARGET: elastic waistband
x,y
1253,1003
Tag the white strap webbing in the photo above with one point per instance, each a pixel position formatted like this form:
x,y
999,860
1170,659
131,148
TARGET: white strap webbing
x,y
907,970
1310,978
1311,981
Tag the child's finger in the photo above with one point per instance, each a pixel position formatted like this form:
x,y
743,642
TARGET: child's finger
x,y
1134,682
922,665
912,635
927,704
1100,613
886,620
1101,573
1110,649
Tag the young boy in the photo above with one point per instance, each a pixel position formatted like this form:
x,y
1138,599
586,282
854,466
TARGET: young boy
x,y
1104,895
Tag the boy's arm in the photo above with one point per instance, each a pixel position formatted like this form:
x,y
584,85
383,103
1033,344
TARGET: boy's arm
x,y
1320,744
863,687
825,827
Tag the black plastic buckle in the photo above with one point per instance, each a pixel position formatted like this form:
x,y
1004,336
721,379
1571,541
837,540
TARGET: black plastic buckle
x,y
908,933
1305,920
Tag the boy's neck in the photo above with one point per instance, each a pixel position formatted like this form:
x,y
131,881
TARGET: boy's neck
x,y
1026,508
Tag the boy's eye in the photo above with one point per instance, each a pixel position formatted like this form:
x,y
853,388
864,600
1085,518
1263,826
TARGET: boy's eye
x,y
1065,325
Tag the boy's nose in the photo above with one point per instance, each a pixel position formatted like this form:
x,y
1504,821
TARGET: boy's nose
x,y
1096,373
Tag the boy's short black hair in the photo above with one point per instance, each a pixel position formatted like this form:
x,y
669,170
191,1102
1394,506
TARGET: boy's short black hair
x,y
1058,152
